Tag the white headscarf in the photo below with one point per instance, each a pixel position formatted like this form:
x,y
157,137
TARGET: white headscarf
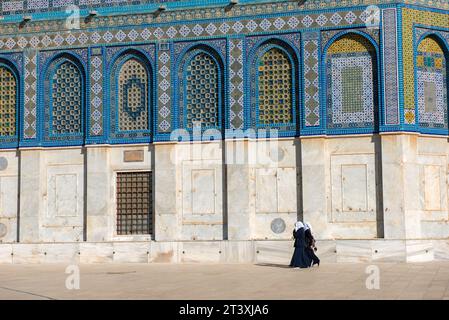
x,y
307,226
298,225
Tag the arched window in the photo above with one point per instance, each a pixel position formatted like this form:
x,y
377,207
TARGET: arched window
x,y
8,102
432,84
352,85
66,100
201,90
275,84
133,96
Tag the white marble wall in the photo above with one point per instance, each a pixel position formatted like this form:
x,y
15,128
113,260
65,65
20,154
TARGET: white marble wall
x,y
189,197
68,195
9,184
339,187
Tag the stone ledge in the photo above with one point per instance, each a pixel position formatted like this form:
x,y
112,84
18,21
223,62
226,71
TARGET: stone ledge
x,y
251,251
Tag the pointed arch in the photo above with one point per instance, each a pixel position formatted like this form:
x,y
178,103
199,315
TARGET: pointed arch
x,y
352,86
273,76
65,100
201,75
9,100
432,82
131,95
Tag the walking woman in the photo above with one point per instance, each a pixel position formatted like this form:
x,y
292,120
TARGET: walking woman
x,y
300,259
310,245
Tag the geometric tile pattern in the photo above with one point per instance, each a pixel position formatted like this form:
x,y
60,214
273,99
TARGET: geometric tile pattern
x,y
11,93
202,92
38,6
164,115
133,96
311,78
236,117
129,71
30,115
96,92
256,48
171,31
66,94
432,84
62,95
410,17
8,102
350,67
199,99
390,64
275,88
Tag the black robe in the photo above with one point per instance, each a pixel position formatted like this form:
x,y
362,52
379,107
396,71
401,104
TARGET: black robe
x,y
310,245
300,258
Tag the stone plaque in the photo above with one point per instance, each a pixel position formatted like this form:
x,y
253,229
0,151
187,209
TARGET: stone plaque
x,y
278,225
133,156
3,163
3,230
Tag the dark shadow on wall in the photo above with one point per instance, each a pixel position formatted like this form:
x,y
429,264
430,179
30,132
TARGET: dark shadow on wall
x,y
224,190
84,152
153,192
299,196
19,158
376,139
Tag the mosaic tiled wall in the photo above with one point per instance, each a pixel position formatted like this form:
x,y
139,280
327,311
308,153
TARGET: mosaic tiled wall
x,y
351,69
236,102
288,96
311,79
432,84
63,96
8,102
200,84
131,94
96,126
10,97
390,65
411,17
9,7
273,73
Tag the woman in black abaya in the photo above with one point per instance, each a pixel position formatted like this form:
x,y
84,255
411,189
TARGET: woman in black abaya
x,y
310,244
300,259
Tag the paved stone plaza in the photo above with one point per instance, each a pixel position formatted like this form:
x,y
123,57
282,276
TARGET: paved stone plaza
x,y
218,281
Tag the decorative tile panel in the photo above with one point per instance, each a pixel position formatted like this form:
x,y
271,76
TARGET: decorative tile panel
x,y
200,86
8,102
30,110
236,103
432,84
351,83
130,70
390,64
410,17
96,92
265,82
311,51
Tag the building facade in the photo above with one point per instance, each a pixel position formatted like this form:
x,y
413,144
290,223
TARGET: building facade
x,y
181,131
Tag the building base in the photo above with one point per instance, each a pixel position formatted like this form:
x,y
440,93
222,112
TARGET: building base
x,y
276,252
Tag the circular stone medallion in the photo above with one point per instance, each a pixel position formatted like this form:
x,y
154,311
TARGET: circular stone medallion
x,y
278,225
3,230
3,163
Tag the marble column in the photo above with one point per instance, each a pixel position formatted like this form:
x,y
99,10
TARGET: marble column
x,y
98,195
400,186
314,186
238,191
166,220
30,195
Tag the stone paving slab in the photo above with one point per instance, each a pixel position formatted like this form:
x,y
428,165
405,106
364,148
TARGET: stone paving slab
x,y
221,281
